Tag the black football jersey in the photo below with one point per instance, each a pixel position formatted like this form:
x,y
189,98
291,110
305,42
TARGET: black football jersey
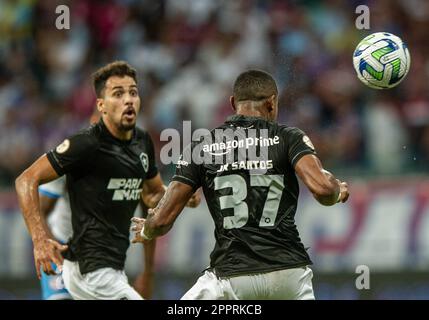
x,y
105,178
252,195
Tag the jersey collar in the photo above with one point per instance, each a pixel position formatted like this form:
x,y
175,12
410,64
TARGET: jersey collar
x,y
109,135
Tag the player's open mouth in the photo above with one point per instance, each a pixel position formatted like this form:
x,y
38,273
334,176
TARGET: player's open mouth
x,y
129,113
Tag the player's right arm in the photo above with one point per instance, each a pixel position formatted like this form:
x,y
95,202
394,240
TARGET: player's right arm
x,y
46,250
160,219
180,191
72,155
326,189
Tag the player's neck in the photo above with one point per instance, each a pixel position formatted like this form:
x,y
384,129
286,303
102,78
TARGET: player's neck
x,y
117,132
252,113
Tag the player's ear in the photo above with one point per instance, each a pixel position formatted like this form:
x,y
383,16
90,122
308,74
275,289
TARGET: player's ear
x,y
232,101
273,99
270,103
100,105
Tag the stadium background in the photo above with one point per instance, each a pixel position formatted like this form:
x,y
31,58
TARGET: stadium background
x,y
188,53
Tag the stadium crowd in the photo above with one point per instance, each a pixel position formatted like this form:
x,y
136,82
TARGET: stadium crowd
x,y
189,52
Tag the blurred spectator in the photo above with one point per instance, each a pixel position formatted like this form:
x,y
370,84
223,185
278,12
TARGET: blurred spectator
x,y
387,139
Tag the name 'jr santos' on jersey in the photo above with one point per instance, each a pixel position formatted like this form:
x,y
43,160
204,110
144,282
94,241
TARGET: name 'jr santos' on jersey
x,y
106,199
248,169
253,212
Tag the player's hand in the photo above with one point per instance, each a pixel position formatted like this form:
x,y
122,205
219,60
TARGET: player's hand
x,y
144,284
195,200
344,191
45,252
136,227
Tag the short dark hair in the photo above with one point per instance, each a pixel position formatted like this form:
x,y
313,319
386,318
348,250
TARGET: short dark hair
x,y
254,85
116,68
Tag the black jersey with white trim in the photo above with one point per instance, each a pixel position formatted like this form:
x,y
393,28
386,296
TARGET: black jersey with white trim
x,y
253,211
105,178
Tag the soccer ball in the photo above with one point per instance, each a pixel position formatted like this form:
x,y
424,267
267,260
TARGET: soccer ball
x,y
381,60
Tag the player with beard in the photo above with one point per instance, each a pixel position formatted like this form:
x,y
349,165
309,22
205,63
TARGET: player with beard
x,y
109,167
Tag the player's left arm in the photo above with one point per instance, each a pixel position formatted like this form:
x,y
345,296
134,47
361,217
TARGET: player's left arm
x,y
153,191
160,220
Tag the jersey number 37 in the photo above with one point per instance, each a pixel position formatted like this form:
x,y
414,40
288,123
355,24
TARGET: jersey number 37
x,y
239,193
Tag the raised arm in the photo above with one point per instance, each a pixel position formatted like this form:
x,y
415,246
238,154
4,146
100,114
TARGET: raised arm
x,y
46,250
325,188
160,220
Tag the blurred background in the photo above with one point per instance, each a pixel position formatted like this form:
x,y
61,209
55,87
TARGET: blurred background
x,y
188,53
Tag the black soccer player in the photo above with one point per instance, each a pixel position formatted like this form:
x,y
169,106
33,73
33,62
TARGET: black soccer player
x,y
109,167
252,199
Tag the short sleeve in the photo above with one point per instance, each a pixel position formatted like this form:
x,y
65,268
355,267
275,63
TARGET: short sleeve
x,y
187,171
153,169
298,145
73,153
53,189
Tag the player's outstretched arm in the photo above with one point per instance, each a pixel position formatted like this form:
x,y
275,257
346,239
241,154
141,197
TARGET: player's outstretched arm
x,y
46,250
160,220
325,188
